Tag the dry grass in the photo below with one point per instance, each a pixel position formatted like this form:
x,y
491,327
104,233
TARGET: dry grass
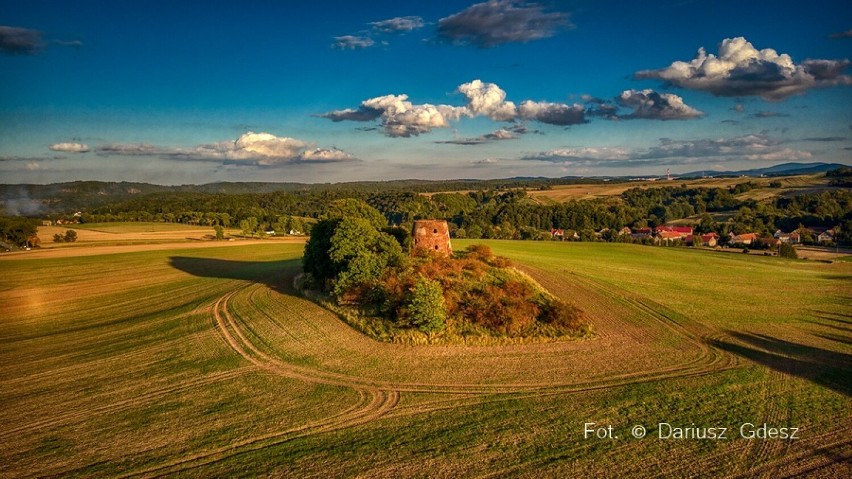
x,y
203,362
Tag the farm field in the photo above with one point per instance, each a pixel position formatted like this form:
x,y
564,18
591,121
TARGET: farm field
x,y
789,185
95,239
203,362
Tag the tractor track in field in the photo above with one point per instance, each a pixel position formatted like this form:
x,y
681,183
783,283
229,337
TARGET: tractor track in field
x,y
381,398
369,408
82,414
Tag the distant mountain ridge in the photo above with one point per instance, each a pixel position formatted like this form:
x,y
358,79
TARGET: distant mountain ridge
x,y
784,169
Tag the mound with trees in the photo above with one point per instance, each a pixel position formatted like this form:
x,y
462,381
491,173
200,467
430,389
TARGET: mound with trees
x,y
363,270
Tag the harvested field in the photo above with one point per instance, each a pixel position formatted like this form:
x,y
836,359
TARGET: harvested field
x,y
204,362
789,185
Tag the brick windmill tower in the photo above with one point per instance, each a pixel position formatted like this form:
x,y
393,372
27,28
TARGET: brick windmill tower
x,y
432,235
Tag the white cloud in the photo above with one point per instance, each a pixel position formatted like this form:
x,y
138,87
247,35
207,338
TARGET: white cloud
x,y
352,42
400,117
398,24
488,99
70,147
742,70
265,148
579,154
497,135
325,155
413,121
648,104
258,149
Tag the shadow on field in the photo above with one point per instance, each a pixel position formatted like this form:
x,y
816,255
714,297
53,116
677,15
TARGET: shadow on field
x,y
277,275
820,366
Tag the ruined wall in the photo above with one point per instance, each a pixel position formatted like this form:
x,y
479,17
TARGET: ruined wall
x,y
432,235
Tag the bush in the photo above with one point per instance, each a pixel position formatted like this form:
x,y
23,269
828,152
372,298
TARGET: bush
x,y
70,236
787,251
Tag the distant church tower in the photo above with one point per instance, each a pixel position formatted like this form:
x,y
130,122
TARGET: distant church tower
x,y
432,235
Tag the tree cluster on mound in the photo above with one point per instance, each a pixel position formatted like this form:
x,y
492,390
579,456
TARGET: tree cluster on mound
x,y
363,265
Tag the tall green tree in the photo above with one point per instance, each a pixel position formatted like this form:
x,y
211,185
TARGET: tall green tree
x,y
425,307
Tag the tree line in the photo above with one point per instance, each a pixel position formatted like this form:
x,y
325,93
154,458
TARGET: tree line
x,y
500,214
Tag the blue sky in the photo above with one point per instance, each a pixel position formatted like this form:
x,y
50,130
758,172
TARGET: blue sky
x,y
196,92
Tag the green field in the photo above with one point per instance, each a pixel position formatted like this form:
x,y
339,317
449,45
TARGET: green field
x,y
204,363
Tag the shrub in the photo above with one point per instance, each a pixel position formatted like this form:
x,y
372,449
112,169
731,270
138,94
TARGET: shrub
x,y
787,251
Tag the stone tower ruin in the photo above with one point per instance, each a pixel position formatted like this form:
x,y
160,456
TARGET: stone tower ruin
x,y
432,235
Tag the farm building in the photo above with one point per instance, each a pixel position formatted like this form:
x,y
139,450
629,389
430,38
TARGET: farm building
x,y
744,239
789,238
683,231
433,236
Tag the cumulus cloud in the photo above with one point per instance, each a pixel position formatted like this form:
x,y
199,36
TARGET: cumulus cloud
x,y
70,147
846,34
325,155
402,118
742,70
648,104
398,24
259,149
352,42
488,99
497,135
501,21
19,41
739,108
677,152
553,113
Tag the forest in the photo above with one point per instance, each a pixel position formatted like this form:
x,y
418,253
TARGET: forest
x,y
504,214
494,210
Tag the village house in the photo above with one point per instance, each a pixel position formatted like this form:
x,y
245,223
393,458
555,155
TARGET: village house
x,y
668,237
826,236
683,231
710,240
789,238
743,239
769,242
639,234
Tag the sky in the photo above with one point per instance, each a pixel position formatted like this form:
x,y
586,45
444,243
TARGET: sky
x,y
191,92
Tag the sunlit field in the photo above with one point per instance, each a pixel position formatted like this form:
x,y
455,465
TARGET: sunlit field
x,y
205,362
